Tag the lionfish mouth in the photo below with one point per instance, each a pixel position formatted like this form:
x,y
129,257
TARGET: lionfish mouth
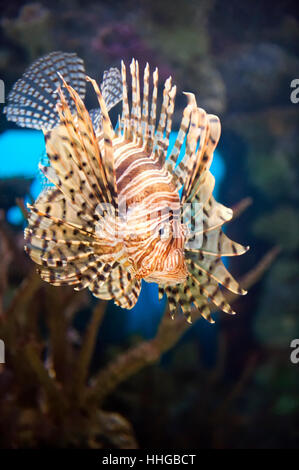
x,y
168,278
168,272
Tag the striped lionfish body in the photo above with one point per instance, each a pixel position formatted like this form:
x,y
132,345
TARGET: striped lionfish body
x,y
113,215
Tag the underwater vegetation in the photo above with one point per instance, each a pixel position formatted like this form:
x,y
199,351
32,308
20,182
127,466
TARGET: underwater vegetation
x,y
51,396
81,372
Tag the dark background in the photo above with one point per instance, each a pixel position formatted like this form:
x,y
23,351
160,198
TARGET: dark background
x,y
239,58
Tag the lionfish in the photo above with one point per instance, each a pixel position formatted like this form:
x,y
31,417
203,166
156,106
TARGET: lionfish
x,y
113,214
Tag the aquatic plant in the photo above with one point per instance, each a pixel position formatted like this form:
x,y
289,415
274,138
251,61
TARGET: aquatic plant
x,y
177,400
50,396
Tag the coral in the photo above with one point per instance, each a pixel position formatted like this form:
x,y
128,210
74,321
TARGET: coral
x,y
280,226
272,150
169,333
50,397
185,44
262,69
172,393
117,39
31,29
12,188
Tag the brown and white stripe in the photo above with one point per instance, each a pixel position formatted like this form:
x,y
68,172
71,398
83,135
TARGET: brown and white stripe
x,y
77,240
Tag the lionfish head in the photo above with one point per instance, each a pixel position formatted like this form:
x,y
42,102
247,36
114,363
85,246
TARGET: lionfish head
x,y
165,262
